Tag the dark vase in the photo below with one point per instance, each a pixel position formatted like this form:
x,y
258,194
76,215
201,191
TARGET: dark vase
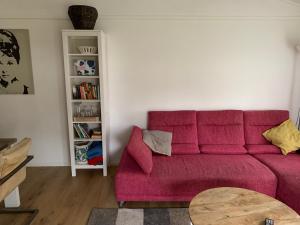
x,y
83,17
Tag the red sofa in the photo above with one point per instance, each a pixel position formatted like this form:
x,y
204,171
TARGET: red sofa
x,y
212,149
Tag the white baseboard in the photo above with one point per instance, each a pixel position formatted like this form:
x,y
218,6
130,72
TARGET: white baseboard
x,y
45,164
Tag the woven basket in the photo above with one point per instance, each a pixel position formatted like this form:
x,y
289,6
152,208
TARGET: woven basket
x,y
87,49
83,17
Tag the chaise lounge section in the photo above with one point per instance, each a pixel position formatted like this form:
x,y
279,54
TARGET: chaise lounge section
x,y
212,149
181,177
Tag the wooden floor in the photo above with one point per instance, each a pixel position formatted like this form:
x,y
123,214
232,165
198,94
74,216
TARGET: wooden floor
x,y
65,200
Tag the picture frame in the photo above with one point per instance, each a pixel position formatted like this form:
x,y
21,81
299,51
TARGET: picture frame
x,y
16,76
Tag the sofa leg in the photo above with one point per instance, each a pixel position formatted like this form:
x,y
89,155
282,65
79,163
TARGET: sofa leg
x,y
121,204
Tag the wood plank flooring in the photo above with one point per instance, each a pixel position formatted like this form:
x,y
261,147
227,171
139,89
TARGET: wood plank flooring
x,y
66,200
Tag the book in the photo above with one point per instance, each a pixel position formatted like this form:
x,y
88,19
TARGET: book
x,y
81,130
77,131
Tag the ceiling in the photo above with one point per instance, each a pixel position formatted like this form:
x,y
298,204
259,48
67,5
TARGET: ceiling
x,y
295,1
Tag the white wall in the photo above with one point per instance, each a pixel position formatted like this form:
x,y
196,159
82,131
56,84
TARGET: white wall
x,y
41,116
161,55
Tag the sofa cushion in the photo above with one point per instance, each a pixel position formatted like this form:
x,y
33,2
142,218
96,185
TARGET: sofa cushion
x,y
287,170
257,122
263,149
184,149
182,124
139,151
220,127
181,177
286,136
223,149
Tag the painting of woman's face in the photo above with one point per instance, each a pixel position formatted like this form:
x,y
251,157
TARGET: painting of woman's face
x,y
12,72
9,56
6,60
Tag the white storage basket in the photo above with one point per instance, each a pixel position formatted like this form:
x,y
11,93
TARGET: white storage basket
x,y
87,50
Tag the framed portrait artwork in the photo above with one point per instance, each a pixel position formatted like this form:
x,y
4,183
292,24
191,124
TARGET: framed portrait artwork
x,y
15,62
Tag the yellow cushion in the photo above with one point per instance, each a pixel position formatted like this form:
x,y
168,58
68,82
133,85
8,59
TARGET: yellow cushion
x,y
285,136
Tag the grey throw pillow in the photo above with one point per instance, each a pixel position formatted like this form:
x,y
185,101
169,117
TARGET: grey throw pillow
x,y
158,141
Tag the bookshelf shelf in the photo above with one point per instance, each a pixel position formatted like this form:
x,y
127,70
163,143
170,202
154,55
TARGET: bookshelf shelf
x,y
85,77
89,166
91,122
85,100
82,55
87,139
86,95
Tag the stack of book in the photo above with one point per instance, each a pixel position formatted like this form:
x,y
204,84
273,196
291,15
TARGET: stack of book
x,y
94,154
96,133
85,91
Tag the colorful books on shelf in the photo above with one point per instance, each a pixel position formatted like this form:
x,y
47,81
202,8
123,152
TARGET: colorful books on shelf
x,y
85,90
81,130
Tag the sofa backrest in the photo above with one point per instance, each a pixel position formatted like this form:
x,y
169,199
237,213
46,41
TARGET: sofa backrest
x,y
220,127
256,122
218,132
182,124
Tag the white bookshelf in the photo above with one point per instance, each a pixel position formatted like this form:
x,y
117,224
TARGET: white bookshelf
x,y
94,106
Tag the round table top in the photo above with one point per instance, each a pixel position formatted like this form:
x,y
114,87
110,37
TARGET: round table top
x,y
237,206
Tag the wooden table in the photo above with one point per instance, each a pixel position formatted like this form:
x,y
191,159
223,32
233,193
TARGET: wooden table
x,y
236,206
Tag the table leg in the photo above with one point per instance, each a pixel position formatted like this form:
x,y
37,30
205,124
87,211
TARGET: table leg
x,y
13,199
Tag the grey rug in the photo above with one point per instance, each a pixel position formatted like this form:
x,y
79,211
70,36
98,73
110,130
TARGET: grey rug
x,y
158,216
